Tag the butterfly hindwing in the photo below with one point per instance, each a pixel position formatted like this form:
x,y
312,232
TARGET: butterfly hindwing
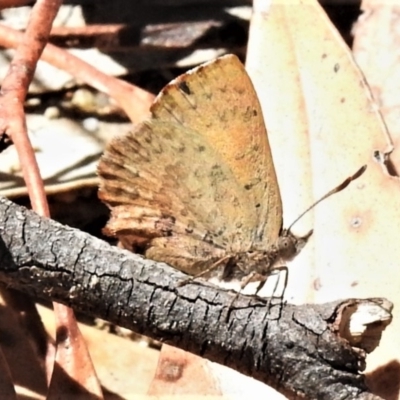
x,y
162,180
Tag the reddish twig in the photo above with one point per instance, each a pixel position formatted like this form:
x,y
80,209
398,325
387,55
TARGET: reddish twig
x,y
13,92
13,3
74,357
132,99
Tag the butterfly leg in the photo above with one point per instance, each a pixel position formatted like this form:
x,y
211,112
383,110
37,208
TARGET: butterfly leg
x,y
227,274
243,284
250,277
262,283
278,270
205,272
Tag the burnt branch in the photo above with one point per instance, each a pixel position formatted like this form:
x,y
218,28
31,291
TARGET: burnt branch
x,y
304,351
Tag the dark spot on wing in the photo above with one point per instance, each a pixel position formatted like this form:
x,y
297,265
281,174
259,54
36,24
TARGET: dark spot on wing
x,y
336,67
208,238
251,184
183,86
249,113
223,117
165,225
200,149
219,232
216,172
200,71
190,227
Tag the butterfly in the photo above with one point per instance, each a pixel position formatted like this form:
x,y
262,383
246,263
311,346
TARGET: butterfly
x,y
195,184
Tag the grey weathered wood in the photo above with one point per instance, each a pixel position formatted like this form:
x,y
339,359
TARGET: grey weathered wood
x,y
292,348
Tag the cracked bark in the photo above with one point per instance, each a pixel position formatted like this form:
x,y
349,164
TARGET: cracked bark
x,y
296,349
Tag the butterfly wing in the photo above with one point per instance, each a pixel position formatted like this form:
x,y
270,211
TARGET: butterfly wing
x,y
197,180
164,181
219,102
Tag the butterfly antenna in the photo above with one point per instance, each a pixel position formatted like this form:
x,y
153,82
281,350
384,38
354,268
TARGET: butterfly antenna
x,y
337,189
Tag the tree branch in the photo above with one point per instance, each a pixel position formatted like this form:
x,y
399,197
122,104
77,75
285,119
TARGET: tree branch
x,y
300,350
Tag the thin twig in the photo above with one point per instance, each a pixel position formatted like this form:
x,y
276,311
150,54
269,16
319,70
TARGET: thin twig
x,y
13,123
307,351
132,99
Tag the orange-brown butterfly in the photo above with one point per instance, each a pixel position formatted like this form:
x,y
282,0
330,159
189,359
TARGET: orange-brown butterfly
x,y
195,184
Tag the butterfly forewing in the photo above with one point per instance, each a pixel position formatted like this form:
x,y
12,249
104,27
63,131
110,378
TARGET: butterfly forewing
x,y
218,101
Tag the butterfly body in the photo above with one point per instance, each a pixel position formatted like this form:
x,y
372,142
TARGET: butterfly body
x,y
195,185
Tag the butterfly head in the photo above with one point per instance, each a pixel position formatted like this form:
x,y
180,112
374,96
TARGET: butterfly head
x,y
289,245
286,247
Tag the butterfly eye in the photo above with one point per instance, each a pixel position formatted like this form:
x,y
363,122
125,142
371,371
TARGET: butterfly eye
x,y
283,243
286,246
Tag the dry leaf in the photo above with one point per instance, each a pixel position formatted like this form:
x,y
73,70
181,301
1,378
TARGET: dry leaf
x,y
322,125
375,48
